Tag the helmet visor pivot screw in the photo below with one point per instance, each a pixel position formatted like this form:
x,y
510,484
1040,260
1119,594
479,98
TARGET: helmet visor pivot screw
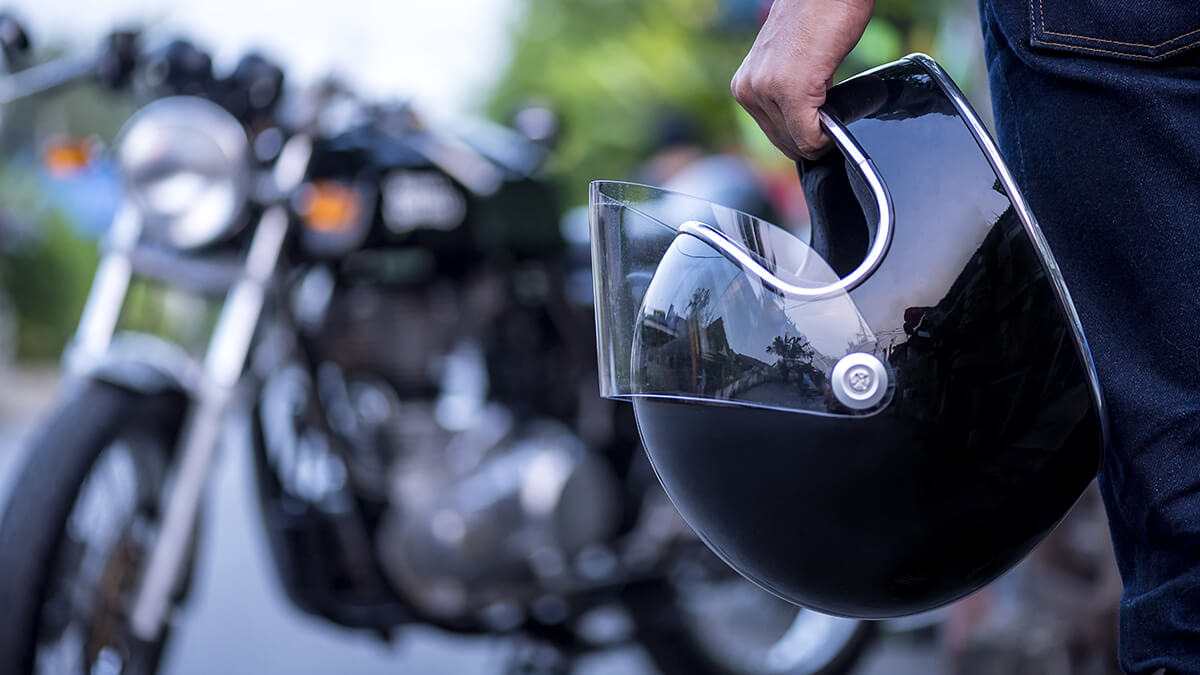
x,y
859,381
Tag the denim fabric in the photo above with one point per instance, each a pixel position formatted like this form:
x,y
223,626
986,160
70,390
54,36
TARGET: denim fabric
x,y
1106,148
1141,30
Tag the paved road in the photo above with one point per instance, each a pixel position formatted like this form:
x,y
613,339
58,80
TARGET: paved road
x,y
238,620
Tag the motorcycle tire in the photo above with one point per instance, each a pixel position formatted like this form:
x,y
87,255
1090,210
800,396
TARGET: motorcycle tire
x,y
66,458
677,647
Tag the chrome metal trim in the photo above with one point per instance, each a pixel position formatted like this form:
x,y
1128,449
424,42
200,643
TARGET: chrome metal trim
x,y
1053,272
223,366
147,146
739,255
291,165
198,444
859,381
102,309
883,201
879,247
148,364
44,78
234,332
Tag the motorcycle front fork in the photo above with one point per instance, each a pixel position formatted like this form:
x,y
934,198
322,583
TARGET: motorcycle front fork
x,y
211,391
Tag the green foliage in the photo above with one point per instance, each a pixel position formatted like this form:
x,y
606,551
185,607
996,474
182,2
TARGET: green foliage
x,y
47,274
48,282
611,67
45,268
901,27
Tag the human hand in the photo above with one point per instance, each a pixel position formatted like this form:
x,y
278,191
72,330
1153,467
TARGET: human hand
x,y
783,80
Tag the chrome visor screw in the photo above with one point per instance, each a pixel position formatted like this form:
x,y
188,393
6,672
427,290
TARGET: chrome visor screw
x,y
859,381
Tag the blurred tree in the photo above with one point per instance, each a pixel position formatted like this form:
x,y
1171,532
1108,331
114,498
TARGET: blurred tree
x,y
46,278
45,265
612,67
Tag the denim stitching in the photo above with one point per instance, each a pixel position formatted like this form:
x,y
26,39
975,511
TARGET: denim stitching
x,y
1144,57
1118,42
1042,13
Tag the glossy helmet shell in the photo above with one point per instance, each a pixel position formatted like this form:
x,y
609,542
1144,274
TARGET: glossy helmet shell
x,y
995,425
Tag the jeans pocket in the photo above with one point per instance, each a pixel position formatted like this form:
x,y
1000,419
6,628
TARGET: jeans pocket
x,y
1138,30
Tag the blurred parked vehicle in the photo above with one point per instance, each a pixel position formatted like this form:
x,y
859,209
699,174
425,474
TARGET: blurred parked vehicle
x,y
388,301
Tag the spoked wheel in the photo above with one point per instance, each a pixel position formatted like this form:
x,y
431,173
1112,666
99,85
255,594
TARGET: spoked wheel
x,y
710,620
76,534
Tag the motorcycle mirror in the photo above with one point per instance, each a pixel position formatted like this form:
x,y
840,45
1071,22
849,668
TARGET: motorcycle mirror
x,y
14,41
180,68
117,59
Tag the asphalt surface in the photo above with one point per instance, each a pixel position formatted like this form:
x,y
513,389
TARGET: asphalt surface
x,y
237,619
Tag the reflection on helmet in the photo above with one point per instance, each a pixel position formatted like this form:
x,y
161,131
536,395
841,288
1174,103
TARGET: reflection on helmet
x,y
709,329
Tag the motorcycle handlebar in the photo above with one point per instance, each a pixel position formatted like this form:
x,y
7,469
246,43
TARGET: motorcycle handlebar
x,y
44,78
112,66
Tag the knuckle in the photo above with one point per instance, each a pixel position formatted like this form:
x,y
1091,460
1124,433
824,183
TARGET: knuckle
x,y
740,87
766,83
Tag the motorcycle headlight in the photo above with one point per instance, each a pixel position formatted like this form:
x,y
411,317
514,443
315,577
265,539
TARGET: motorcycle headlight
x,y
184,161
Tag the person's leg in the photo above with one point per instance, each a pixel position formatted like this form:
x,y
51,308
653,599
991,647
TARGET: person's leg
x,y
1106,147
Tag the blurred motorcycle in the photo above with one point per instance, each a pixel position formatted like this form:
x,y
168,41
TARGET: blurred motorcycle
x,y
385,301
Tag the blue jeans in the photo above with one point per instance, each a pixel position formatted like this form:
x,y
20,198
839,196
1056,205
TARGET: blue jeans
x,y
1097,106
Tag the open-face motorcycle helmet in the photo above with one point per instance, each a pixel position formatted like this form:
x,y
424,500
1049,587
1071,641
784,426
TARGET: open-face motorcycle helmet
x,y
874,417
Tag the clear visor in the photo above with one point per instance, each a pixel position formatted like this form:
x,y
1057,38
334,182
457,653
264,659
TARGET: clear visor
x,y
696,301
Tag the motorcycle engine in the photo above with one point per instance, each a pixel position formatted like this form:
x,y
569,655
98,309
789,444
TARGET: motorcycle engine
x,y
488,506
496,518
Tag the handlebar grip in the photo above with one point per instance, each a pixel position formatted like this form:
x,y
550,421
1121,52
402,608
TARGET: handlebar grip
x,y
14,40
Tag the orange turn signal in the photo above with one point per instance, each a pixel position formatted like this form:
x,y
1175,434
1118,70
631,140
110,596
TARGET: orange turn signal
x,y
65,156
328,206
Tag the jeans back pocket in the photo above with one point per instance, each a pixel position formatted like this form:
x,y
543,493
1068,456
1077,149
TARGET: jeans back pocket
x,y
1140,30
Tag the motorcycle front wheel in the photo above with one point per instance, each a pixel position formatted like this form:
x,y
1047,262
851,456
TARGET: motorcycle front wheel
x,y
76,534
708,619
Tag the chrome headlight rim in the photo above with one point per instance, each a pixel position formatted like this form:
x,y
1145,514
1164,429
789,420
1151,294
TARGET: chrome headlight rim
x,y
184,161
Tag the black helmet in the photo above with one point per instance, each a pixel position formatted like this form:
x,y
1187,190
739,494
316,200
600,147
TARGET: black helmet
x,y
876,416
